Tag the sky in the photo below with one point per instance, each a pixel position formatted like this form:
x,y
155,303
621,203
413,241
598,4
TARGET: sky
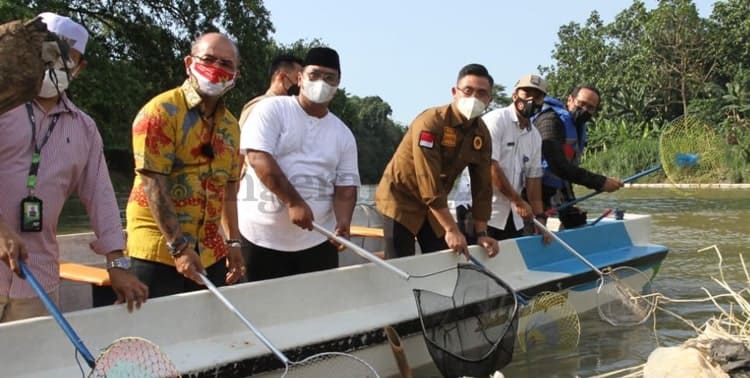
x,y
409,52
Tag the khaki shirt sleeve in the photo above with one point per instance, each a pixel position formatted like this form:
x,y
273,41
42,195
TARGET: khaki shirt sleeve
x,y
481,178
426,134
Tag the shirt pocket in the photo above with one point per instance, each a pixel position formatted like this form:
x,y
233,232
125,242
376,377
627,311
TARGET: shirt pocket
x,y
472,147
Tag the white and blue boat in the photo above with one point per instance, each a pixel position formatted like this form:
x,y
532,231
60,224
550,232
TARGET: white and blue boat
x,y
343,310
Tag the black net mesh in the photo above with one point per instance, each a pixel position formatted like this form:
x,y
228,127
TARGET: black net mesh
x,y
471,332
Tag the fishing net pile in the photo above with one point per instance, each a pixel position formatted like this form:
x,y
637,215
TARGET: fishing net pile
x,y
721,347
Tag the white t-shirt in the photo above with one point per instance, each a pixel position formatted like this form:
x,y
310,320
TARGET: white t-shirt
x,y
461,193
315,154
519,153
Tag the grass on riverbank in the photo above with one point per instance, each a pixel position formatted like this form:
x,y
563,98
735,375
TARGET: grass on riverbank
x,y
624,154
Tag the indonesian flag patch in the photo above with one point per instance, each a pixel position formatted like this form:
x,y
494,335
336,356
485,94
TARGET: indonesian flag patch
x,y
426,139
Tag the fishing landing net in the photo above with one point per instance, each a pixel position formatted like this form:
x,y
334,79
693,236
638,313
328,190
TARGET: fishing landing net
x,y
624,296
133,357
125,357
330,364
548,320
471,332
327,364
721,345
691,151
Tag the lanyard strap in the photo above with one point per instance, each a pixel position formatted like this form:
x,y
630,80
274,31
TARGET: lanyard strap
x,y
36,156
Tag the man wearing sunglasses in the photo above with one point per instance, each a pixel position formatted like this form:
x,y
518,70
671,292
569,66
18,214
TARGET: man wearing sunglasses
x,y
186,148
563,130
439,144
302,163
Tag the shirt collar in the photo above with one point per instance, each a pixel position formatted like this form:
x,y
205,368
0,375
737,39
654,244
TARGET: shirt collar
x,y
63,105
194,100
513,115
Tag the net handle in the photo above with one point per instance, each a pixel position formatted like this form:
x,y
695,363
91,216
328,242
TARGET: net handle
x,y
568,247
55,312
213,289
634,177
361,251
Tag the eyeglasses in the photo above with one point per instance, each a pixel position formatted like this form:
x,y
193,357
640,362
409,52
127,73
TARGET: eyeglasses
x,y
470,91
539,100
330,78
586,106
210,59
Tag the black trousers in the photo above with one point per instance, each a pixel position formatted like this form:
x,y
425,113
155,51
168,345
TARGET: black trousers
x,y
399,241
265,263
465,221
509,232
163,280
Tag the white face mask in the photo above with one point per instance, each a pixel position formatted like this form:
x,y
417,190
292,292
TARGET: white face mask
x,y
49,89
470,107
318,91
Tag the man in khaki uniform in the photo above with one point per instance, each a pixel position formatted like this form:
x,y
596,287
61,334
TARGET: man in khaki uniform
x,y
440,143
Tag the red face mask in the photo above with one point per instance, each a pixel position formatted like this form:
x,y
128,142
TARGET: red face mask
x,y
212,73
211,81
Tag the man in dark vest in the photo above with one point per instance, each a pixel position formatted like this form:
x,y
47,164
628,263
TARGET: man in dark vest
x,y
563,130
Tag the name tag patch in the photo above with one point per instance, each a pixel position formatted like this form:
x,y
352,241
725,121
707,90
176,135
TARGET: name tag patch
x,y
449,137
426,139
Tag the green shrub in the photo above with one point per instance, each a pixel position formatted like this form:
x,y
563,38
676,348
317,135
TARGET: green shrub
x,y
626,158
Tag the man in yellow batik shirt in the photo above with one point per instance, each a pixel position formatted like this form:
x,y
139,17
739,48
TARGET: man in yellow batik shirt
x,y
185,144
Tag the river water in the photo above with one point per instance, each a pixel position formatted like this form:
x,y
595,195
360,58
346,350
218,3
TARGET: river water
x,y
685,221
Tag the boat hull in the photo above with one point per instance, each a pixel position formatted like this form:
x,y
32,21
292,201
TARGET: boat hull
x,y
338,310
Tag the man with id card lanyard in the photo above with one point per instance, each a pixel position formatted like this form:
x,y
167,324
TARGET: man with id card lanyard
x,y
49,150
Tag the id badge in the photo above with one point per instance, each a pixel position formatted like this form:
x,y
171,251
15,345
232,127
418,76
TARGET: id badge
x,y
31,214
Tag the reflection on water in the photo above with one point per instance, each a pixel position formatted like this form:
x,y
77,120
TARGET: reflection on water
x,y
683,221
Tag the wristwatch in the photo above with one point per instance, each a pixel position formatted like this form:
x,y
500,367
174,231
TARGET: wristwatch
x,y
233,243
177,246
481,234
119,263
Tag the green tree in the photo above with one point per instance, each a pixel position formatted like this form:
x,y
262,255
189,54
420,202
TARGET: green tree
x,y
580,56
499,97
676,38
377,135
729,27
136,50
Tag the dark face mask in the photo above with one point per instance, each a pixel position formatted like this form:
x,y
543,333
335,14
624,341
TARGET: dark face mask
x,y
530,108
293,90
580,116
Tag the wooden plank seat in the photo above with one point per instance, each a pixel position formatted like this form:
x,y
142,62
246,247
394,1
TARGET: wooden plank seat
x,y
99,277
366,232
84,273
